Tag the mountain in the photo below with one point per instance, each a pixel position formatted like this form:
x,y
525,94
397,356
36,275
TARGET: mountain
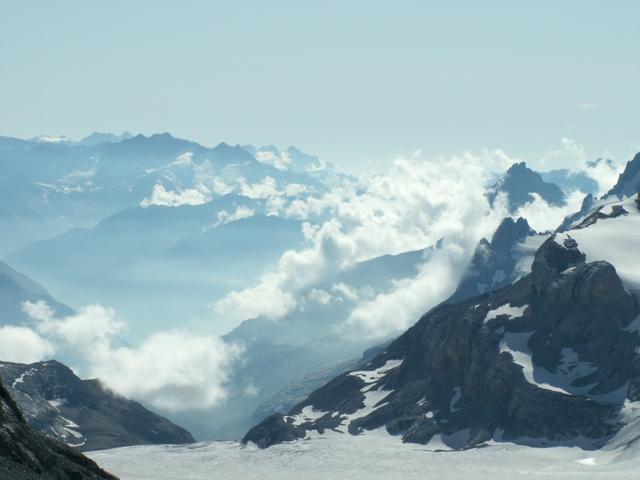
x,y
500,262
47,188
629,181
97,137
15,289
550,360
26,455
82,413
520,182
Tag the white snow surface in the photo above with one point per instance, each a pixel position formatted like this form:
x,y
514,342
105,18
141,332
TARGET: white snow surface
x,y
372,376
615,240
506,309
570,369
373,455
308,414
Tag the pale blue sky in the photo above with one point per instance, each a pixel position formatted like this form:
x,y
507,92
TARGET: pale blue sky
x,y
351,81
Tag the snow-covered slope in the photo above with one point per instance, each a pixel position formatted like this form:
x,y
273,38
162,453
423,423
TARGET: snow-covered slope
x,y
611,232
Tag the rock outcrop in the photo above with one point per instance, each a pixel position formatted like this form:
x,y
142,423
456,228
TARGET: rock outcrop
x,y
26,455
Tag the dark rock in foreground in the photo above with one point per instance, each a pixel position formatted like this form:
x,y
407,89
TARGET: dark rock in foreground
x,y
26,455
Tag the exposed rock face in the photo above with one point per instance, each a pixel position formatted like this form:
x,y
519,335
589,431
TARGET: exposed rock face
x,y
520,182
549,359
629,181
26,455
81,413
493,264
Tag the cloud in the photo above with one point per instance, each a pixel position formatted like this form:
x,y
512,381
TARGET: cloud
x,y
395,311
570,155
604,172
23,345
267,157
543,217
163,197
170,370
413,206
92,327
267,298
174,370
241,212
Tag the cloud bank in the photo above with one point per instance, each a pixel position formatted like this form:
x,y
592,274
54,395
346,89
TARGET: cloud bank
x,y
173,370
416,204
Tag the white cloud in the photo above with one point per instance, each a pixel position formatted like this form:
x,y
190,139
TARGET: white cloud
x,y
23,345
393,312
266,298
266,188
417,203
543,217
570,155
167,198
281,161
170,370
317,295
605,173
241,212
175,370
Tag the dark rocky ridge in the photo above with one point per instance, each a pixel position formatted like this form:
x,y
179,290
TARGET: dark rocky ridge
x,y
82,413
26,455
459,379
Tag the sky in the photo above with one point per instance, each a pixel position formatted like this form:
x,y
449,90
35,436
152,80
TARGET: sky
x,y
355,82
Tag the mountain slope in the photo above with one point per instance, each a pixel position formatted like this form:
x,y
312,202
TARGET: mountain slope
x,y
26,455
500,262
15,289
629,181
550,359
82,413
